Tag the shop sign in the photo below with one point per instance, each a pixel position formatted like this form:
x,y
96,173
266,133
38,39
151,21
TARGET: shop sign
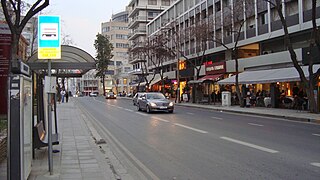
x,y
215,68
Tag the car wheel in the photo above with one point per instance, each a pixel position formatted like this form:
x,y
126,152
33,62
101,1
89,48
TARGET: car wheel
x,y
171,111
138,107
148,109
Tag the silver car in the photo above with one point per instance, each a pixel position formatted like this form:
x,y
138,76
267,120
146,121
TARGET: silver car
x,y
154,102
136,97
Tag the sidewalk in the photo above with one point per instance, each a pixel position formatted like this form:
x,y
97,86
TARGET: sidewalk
x,y
263,111
79,156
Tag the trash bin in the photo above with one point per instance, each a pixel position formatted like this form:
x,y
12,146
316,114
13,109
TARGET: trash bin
x,y
267,101
226,98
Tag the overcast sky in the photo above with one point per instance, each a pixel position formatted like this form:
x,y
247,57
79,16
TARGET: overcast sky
x,y
81,19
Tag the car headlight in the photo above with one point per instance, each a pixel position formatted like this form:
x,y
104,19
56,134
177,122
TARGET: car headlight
x,y
108,95
153,104
115,95
171,104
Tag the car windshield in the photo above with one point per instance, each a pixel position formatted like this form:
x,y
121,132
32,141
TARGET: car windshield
x,y
155,96
110,93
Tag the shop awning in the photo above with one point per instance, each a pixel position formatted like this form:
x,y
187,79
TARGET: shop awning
x,y
269,76
156,79
210,78
136,84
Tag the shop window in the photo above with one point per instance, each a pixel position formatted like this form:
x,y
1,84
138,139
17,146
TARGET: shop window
x,y
182,65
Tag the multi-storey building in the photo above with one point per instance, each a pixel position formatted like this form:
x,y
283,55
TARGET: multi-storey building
x,y
89,83
117,31
142,12
260,41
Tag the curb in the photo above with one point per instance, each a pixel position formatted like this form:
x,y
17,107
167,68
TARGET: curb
x,y
316,121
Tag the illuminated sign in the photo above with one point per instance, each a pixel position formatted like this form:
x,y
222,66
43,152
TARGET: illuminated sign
x,y
49,45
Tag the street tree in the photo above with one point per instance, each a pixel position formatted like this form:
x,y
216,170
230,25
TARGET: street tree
x,y
236,17
14,15
103,56
314,49
142,51
160,53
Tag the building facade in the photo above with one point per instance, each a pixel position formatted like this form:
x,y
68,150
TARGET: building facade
x,y
89,83
260,39
141,12
117,30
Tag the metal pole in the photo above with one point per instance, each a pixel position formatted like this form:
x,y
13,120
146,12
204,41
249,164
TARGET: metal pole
x,y
178,81
50,125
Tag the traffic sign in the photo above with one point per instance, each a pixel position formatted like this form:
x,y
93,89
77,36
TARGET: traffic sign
x,y
49,42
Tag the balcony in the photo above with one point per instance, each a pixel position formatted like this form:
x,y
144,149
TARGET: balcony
x,y
137,20
137,32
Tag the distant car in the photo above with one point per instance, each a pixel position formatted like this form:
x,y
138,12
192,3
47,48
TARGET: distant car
x,y
111,95
136,97
154,102
93,94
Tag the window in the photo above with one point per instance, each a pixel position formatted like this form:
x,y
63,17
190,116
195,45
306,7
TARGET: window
x,y
217,6
122,45
165,2
124,81
121,36
152,2
264,18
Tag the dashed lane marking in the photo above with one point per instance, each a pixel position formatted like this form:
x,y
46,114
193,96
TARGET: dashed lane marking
x,y
191,128
160,119
190,113
128,110
216,118
142,114
316,135
315,164
253,124
250,145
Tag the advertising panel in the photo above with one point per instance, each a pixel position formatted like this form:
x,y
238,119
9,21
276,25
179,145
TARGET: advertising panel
x,y
5,48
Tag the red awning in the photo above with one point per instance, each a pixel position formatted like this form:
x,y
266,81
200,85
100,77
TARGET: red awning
x,y
215,77
209,78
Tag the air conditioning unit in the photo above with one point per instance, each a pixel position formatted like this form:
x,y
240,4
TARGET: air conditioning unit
x,y
266,52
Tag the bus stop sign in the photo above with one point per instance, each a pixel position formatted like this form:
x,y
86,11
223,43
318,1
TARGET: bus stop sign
x,y
49,42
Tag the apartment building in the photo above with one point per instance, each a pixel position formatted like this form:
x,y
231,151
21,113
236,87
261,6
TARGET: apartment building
x,y
117,30
89,83
142,12
260,40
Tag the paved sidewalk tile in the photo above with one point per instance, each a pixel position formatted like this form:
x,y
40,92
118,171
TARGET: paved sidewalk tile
x,y
78,157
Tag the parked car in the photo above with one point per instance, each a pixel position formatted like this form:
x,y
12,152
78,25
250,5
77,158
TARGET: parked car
x,y
93,94
111,95
154,102
136,97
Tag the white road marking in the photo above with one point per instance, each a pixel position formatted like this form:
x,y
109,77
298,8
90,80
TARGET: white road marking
x,y
128,110
250,145
315,164
253,124
119,107
160,119
216,118
142,114
191,128
190,113
316,134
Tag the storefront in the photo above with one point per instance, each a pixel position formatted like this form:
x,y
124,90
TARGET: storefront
x,y
277,84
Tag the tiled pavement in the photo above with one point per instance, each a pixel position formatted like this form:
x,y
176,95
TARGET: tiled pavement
x,y
79,156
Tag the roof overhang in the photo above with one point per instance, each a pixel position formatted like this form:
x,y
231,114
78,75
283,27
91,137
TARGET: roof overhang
x,y
72,58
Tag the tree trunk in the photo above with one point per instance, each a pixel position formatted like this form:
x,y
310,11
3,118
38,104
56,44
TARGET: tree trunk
x,y
237,78
103,86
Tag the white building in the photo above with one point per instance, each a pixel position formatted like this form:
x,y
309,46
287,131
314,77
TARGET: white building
x,y
261,42
117,30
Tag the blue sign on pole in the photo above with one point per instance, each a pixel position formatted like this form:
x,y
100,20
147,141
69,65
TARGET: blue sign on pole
x,y
49,41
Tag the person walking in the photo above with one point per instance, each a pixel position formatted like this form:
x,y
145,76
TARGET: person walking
x,y
63,93
67,97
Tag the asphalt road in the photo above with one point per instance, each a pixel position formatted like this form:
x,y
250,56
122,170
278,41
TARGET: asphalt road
x,y
195,143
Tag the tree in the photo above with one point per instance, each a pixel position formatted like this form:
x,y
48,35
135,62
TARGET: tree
x,y
308,84
104,54
142,51
235,18
13,13
160,53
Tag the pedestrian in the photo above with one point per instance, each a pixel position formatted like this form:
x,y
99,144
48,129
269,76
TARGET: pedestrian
x,y
63,93
67,97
